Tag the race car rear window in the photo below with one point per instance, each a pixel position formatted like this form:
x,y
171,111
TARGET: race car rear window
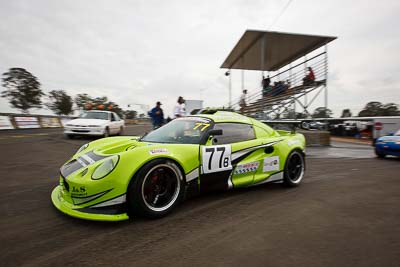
x,y
234,132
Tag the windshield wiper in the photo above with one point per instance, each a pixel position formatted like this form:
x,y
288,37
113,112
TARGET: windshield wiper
x,y
141,138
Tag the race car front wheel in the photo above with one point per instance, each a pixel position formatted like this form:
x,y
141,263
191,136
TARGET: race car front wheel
x,y
106,132
156,189
294,169
379,154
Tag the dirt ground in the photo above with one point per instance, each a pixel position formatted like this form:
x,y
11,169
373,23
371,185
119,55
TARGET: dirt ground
x,y
346,213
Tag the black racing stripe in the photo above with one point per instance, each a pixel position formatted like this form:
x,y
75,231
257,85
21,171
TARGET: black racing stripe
x,y
84,161
98,196
260,146
95,157
108,210
74,165
251,150
70,167
236,161
107,199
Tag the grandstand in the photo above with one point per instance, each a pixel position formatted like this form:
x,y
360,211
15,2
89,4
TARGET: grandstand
x,y
285,57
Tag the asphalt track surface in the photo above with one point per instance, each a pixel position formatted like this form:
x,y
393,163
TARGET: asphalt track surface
x,y
345,213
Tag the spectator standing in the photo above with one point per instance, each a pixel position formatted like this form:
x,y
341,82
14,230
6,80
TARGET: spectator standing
x,y
265,82
157,115
266,86
309,79
242,102
179,109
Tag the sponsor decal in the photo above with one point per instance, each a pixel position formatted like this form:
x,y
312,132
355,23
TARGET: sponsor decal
x,y
202,126
49,122
216,158
27,122
158,151
271,164
5,123
204,120
248,167
293,142
78,191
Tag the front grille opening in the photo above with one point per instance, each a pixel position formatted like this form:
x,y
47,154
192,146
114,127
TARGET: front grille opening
x,y
66,185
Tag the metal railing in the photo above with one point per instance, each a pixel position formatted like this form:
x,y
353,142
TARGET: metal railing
x,y
257,103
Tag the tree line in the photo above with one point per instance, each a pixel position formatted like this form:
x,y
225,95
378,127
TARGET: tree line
x,y
23,91
371,109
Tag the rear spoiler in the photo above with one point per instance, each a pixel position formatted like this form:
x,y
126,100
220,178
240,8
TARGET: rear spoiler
x,y
288,125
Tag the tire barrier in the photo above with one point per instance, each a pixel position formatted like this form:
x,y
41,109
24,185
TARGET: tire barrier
x,y
21,121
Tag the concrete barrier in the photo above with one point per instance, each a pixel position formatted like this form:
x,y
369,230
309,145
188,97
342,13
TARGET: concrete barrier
x,y
316,138
10,121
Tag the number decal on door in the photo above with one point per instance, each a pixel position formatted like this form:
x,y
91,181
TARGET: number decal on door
x,y
216,158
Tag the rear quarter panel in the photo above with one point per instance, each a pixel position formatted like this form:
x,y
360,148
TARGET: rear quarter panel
x,y
280,153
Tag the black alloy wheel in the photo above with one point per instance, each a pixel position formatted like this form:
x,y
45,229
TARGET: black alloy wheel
x,y
294,169
156,189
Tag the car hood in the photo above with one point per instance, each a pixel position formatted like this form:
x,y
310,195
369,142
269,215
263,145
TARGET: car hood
x,y
87,122
390,138
132,152
115,145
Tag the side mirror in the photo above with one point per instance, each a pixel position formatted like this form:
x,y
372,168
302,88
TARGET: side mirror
x,y
215,132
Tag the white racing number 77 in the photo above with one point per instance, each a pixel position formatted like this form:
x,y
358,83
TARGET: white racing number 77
x,y
216,158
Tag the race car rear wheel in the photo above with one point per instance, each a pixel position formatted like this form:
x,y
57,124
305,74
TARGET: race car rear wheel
x,y
294,169
156,189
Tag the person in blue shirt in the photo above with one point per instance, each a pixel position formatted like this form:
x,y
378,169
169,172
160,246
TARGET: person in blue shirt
x,y
157,115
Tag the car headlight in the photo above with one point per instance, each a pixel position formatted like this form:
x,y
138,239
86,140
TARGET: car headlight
x,y
82,148
105,168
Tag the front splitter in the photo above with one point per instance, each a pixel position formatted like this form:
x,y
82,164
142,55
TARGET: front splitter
x,y
71,210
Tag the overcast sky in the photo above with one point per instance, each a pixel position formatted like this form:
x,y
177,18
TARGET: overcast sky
x,y
147,51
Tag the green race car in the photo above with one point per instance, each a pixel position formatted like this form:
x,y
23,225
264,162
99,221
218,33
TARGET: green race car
x,y
116,178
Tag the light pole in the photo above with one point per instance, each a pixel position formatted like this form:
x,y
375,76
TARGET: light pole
x,y
228,73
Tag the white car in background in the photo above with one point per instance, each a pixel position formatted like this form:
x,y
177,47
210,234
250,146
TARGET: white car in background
x,y
96,123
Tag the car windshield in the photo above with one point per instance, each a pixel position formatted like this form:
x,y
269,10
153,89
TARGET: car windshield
x,y
95,115
187,130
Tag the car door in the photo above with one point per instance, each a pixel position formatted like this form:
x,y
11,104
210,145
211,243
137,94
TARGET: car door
x,y
114,124
221,154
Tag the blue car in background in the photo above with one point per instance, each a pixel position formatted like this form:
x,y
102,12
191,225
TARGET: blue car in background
x,y
388,145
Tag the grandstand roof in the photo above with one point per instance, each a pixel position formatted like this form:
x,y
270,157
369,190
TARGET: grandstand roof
x,y
279,49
